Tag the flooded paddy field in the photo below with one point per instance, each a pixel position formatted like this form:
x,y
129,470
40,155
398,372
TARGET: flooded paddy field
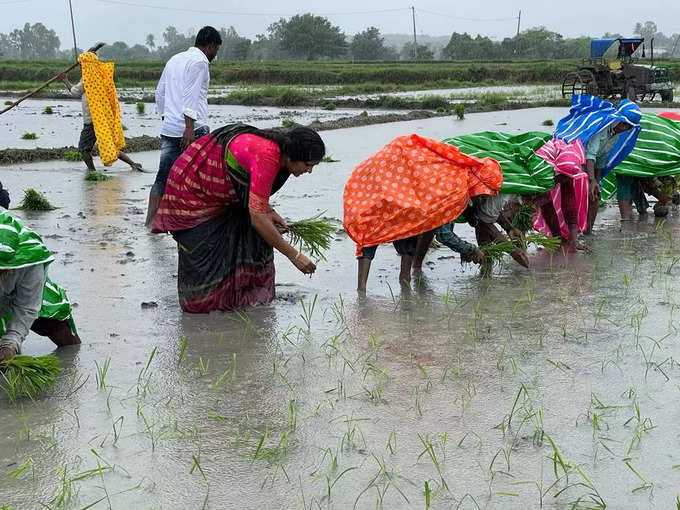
x,y
62,127
554,386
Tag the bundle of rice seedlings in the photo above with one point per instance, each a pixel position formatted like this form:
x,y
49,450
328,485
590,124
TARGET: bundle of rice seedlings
x,y
494,252
29,136
96,176
48,110
524,218
34,201
314,235
549,243
28,376
141,108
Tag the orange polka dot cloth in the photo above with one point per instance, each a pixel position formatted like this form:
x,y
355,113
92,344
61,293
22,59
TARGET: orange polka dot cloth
x,y
102,99
413,185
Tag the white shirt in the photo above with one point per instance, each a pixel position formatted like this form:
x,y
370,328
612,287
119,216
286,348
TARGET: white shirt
x,y
183,90
79,91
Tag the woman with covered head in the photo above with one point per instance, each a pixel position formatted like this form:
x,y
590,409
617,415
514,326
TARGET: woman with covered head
x,y
411,186
29,300
216,206
608,133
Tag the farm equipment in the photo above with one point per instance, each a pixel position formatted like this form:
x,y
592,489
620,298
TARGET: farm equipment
x,y
614,71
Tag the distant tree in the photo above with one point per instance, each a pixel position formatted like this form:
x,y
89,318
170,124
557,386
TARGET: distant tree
x,y
647,29
175,42
34,42
463,46
7,49
536,42
150,41
579,47
308,36
370,45
114,51
423,52
234,47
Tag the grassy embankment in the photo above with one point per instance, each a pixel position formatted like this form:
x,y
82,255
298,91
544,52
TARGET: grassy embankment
x,y
279,83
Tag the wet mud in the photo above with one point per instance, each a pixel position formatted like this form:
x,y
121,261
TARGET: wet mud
x,y
551,386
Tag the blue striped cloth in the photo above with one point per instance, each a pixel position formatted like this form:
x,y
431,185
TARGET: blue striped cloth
x,y
590,114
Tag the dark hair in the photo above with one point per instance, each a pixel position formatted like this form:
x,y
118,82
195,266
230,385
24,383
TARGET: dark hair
x,y
208,35
298,143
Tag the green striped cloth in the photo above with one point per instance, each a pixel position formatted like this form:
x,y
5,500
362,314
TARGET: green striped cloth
x,y
523,171
22,247
656,153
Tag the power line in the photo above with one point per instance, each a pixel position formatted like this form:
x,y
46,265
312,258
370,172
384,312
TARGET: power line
x,y
241,13
463,18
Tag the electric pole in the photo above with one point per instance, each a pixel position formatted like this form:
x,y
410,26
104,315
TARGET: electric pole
x,y
73,29
519,19
415,42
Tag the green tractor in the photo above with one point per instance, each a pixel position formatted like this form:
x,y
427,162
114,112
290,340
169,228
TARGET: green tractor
x,y
613,70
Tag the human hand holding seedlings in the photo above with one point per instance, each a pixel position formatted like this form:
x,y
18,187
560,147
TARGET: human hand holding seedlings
x,y
476,257
303,263
278,219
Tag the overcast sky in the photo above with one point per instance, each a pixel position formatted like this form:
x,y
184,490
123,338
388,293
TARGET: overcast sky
x,y
132,20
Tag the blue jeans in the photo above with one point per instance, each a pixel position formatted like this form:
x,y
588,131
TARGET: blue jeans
x,y
170,151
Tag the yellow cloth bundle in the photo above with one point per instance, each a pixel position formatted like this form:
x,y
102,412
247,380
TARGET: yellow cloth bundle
x,y
104,109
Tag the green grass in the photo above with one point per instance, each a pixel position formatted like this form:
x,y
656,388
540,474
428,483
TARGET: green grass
x,y
29,136
72,155
492,98
34,201
433,102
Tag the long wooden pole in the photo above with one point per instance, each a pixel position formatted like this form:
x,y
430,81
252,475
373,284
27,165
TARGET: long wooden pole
x,y
94,49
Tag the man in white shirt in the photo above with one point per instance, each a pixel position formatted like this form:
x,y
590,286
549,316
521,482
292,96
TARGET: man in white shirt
x,y
182,101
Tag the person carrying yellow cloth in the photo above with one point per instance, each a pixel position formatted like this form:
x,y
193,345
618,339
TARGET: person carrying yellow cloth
x,y
101,112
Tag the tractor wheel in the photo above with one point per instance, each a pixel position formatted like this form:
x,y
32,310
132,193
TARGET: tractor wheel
x,y
568,84
586,83
667,96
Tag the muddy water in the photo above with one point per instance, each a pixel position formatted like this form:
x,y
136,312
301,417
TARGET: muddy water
x,y
62,128
458,382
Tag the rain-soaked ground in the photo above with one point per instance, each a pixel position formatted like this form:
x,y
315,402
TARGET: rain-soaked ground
x,y
549,386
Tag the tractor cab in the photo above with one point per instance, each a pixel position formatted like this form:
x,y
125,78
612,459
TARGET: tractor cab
x,y
613,69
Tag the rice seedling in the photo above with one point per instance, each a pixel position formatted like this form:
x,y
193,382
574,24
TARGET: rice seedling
x,y
34,201
28,376
48,110
329,159
524,218
645,484
329,106
308,311
287,123
72,155
77,382
125,128
29,136
16,473
494,252
182,350
429,450
101,373
459,111
548,243
94,176
141,108
363,114
381,482
7,103
547,122
313,234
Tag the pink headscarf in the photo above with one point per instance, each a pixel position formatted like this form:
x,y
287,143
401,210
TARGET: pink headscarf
x,y
567,159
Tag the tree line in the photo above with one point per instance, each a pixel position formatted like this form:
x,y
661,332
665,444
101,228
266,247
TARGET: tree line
x,y
309,37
